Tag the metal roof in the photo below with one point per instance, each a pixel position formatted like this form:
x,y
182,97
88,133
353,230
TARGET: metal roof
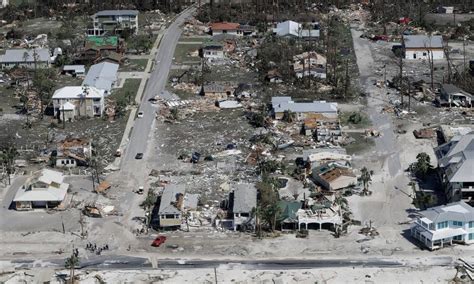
x,y
291,28
18,55
75,68
316,107
55,189
75,92
169,198
457,211
117,13
422,41
245,198
452,89
101,76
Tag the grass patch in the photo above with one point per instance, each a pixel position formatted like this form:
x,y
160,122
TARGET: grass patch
x,y
182,51
354,119
137,65
128,91
194,39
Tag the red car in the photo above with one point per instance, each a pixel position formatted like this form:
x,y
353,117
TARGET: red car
x,y
158,241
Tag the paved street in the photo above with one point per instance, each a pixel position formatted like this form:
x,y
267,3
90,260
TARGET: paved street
x,y
156,84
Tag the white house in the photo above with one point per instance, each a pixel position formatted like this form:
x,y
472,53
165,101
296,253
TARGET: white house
x,y
282,104
75,101
294,29
4,3
44,189
423,46
440,226
112,22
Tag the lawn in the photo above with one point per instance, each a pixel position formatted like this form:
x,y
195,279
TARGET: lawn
x,y
128,91
137,65
181,54
195,39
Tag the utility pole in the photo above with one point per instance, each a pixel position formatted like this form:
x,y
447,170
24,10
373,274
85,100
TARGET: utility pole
x,y
215,274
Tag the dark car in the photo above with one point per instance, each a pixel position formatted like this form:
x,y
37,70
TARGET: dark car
x,y
152,100
158,241
138,156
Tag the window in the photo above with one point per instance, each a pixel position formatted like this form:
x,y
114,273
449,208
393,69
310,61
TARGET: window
x,y
471,224
457,223
471,236
457,238
442,225
424,53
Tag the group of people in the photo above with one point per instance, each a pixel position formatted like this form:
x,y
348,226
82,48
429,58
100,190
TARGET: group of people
x,y
97,250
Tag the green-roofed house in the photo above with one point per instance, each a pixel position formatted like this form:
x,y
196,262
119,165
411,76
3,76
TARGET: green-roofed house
x,y
288,214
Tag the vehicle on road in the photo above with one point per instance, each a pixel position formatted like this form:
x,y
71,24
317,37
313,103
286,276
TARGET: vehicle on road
x,y
139,156
152,100
118,153
158,241
140,114
140,190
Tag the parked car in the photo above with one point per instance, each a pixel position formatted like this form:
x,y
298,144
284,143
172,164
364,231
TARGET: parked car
x,y
158,241
139,156
152,100
140,114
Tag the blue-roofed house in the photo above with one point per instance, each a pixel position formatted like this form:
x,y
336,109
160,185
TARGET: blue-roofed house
x,y
102,76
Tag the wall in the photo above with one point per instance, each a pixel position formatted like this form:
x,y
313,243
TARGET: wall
x,y
423,54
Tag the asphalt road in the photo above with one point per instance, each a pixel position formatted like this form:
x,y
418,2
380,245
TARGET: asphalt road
x,y
126,262
155,85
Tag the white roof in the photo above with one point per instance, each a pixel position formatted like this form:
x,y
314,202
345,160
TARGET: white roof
x,y
443,233
18,55
75,68
55,191
101,76
75,92
291,28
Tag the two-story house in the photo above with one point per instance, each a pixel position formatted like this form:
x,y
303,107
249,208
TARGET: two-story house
x,y
440,226
456,163
243,201
111,22
76,101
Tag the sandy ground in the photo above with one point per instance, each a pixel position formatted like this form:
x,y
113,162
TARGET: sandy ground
x,y
238,274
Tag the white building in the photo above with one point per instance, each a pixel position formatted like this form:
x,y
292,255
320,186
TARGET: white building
x,y
294,29
422,47
44,189
111,22
102,76
442,225
4,3
282,104
75,101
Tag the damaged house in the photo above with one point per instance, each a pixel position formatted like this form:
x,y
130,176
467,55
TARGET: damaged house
x,y
309,64
243,200
281,105
293,29
450,95
323,128
212,50
423,47
319,213
99,47
72,152
44,189
217,91
173,202
27,58
334,176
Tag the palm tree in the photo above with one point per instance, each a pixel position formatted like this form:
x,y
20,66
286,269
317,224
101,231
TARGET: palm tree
x,y
366,178
82,98
71,263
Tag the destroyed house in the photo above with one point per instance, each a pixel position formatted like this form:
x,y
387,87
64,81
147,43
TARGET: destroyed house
x,y
423,47
72,152
243,200
319,213
112,22
281,105
74,70
334,176
450,95
323,127
309,64
444,225
96,47
44,189
217,91
27,58
456,162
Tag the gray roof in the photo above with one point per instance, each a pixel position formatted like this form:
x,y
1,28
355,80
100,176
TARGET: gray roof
x,y
18,55
117,13
245,198
169,197
457,211
459,158
281,104
422,41
102,76
452,89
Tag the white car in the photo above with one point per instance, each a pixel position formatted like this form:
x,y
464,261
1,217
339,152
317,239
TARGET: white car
x,y
140,114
